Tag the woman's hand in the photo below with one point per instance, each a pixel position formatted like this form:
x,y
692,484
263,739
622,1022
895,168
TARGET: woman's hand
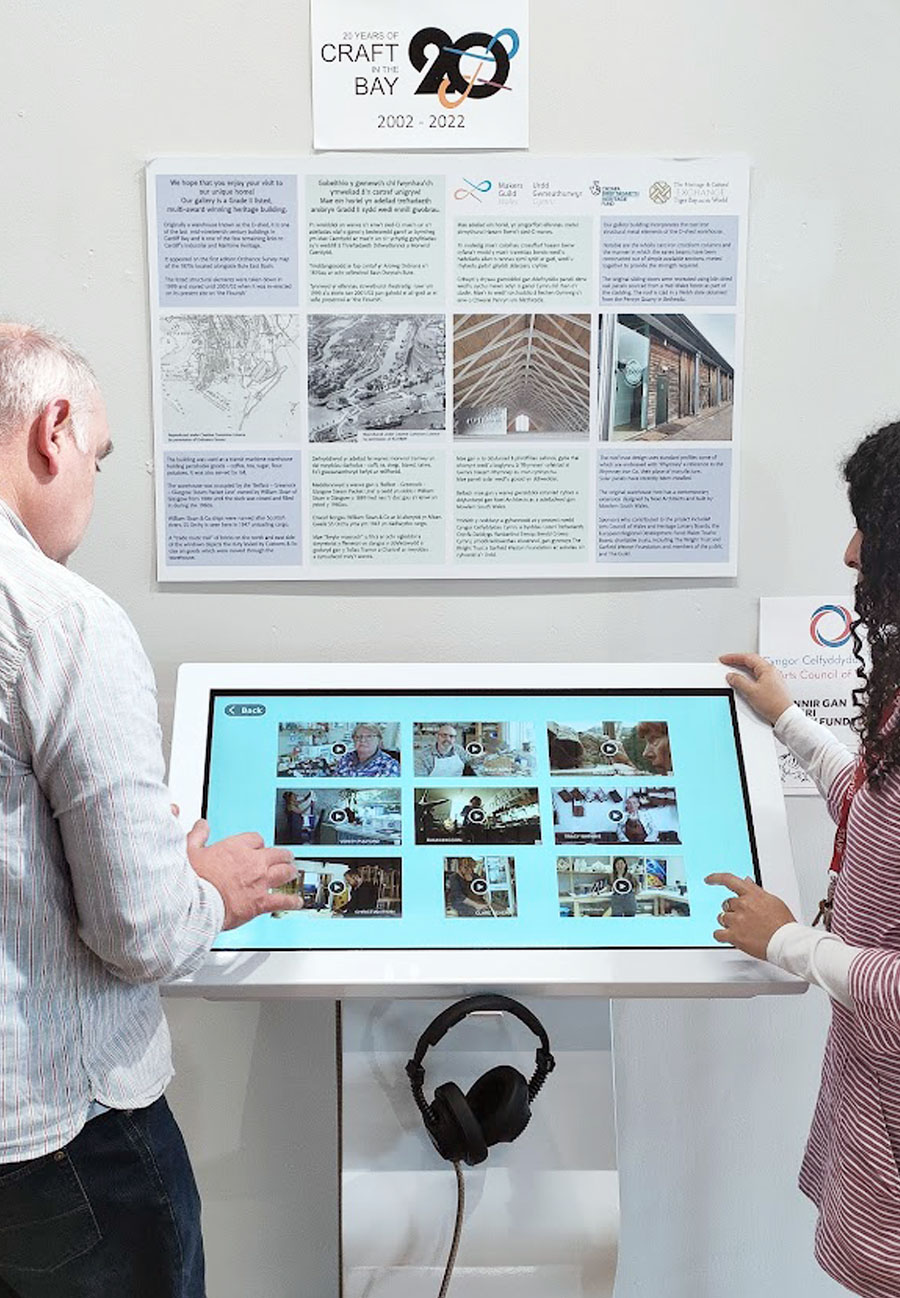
x,y
764,687
750,917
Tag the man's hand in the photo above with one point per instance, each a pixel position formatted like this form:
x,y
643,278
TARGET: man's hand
x,y
244,871
750,917
764,688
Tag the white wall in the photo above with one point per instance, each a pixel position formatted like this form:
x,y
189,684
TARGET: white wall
x,y
88,92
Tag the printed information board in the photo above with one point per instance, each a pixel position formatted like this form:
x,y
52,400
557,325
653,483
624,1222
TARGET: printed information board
x,y
403,368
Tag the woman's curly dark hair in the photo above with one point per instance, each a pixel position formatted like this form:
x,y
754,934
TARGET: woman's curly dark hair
x,y
872,474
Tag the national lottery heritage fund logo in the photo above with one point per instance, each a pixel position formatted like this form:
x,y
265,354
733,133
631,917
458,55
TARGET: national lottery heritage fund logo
x,y
831,626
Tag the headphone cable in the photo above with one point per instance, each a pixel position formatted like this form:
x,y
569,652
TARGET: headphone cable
x,y
457,1230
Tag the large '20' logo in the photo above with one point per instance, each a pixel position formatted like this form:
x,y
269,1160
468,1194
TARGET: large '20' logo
x,y
482,52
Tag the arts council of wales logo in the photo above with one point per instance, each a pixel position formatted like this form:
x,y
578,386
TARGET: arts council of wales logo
x,y
475,66
839,621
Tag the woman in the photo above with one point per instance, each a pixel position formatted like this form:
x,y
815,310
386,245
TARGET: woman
x,y
300,810
368,756
461,900
850,1168
657,752
624,898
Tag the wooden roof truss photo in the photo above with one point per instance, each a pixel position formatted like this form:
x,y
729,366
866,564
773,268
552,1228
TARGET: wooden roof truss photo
x,y
534,365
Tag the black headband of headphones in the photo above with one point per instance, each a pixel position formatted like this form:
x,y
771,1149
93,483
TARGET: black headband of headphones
x,y
544,1063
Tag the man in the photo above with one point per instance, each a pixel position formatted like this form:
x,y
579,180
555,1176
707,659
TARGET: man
x,y
443,755
363,894
101,897
638,826
368,756
473,820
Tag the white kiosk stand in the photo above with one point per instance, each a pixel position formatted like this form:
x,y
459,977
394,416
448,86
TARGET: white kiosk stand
x,y
568,783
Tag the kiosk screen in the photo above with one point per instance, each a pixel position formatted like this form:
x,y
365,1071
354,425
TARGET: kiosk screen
x,y
485,820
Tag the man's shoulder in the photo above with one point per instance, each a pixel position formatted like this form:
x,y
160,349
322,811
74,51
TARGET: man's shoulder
x,y
35,590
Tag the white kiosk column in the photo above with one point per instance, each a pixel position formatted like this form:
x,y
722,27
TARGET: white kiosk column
x,y
542,1213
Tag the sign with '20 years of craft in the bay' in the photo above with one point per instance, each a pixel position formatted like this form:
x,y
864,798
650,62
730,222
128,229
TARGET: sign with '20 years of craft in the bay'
x,y
407,75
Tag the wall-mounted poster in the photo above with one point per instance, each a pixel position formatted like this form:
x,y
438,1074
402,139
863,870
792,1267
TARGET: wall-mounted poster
x,y
404,74
810,641
404,367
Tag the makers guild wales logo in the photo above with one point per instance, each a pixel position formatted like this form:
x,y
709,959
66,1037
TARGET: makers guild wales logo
x,y
660,191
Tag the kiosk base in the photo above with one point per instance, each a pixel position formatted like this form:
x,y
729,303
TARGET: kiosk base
x,y
477,1282
542,1214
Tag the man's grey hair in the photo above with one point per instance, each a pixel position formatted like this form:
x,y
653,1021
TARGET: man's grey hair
x,y
35,367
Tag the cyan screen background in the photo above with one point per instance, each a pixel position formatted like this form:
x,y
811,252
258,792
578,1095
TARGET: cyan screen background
x,y
241,784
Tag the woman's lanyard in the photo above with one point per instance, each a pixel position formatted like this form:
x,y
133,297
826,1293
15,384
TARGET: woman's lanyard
x,y
826,905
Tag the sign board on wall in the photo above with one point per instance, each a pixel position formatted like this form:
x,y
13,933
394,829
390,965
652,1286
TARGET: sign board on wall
x,y
383,366
810,642
406,75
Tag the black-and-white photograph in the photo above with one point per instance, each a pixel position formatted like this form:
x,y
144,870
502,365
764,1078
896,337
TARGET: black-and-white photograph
x,y
376,377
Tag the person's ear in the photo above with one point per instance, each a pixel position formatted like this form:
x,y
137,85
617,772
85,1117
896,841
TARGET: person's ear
x,y
49,431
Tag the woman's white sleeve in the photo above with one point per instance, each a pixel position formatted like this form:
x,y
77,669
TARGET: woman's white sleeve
x,y
821,755
816,956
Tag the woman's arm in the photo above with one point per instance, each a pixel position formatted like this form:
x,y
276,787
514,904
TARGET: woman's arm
x,y
822,756
865,980
760,924
764,689
816,956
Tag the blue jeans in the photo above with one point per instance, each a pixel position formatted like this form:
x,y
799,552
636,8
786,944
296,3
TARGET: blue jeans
x,y
115,1214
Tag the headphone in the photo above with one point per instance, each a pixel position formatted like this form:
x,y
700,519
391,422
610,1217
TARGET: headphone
x,y
497,1107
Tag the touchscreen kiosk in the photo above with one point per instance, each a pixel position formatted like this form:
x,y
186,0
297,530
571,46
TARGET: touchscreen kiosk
x,y
479,822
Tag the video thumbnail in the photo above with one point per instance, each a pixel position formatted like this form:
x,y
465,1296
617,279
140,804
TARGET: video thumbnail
x,y
615,814
610,748
453,749
479,887
621,887
483,815
339,888
324,816
348,749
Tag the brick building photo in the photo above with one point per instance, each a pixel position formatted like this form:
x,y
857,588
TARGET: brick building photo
x,y
669,378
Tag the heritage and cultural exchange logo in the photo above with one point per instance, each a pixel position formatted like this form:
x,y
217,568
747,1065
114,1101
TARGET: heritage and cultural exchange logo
x,y
660,191
475,66
838,622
